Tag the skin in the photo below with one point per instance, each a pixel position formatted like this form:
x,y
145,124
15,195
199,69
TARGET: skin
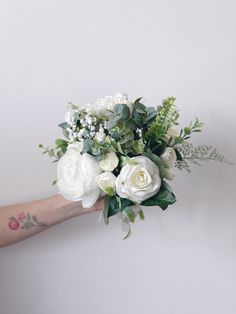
x,y
20,221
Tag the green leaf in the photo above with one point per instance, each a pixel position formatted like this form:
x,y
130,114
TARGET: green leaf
x,y
130,214
87,145
139,113
119,148
151,114
187,131
163,198
117,204
178,155
112,122
64,125
60,142
127,160
122,110
138,100
107,200
141,214
138,146
157,160
65,133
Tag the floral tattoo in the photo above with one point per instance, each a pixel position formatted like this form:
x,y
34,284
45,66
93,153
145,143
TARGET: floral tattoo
x,y
24,221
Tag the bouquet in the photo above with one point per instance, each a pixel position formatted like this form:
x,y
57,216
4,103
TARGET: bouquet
x,y
126,152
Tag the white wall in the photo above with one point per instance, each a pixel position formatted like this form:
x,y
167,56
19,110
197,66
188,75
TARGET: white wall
x,y
181,261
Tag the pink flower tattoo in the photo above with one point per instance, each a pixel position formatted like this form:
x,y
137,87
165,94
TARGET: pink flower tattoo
x,y
24,221
13,224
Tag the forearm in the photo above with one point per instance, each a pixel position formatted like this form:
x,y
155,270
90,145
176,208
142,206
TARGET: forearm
x,y
21,221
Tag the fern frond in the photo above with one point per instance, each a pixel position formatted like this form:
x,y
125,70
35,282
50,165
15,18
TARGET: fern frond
x,y
166,117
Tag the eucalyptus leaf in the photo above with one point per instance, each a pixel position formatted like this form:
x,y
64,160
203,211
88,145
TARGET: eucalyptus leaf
x,y
64,125
122,110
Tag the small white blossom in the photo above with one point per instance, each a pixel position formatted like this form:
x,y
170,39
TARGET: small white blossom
x,y
105,124
75,135
139,132
68,117
100,136
89,120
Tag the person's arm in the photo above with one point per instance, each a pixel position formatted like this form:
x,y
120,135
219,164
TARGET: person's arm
x,y
21,221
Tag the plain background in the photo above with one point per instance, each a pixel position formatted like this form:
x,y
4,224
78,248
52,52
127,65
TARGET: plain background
x,y
181,261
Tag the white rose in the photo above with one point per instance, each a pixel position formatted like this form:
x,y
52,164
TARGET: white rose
x,y
109,162
76,175
106,182
169,157
169,173
172,133
140,181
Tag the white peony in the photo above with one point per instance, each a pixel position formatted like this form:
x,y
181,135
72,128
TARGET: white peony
x,y
109,162
140,181
169,157
169,173
76,175
101,106
106,182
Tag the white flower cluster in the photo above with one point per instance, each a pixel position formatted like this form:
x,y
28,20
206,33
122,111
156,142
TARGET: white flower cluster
x,y
71,119
137,182
88,125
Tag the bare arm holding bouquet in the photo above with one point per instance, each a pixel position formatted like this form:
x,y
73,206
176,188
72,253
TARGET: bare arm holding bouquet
x,y
20,221
123,150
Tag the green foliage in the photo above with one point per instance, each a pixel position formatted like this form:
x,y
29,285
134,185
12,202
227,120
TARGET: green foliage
x,y
198,154
166,117
64,125
61,145
130,214
186,132
163,198
138,146
141,215
107,199
143,115
50,152
58,151
118,204
121,128
98,149
126,160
